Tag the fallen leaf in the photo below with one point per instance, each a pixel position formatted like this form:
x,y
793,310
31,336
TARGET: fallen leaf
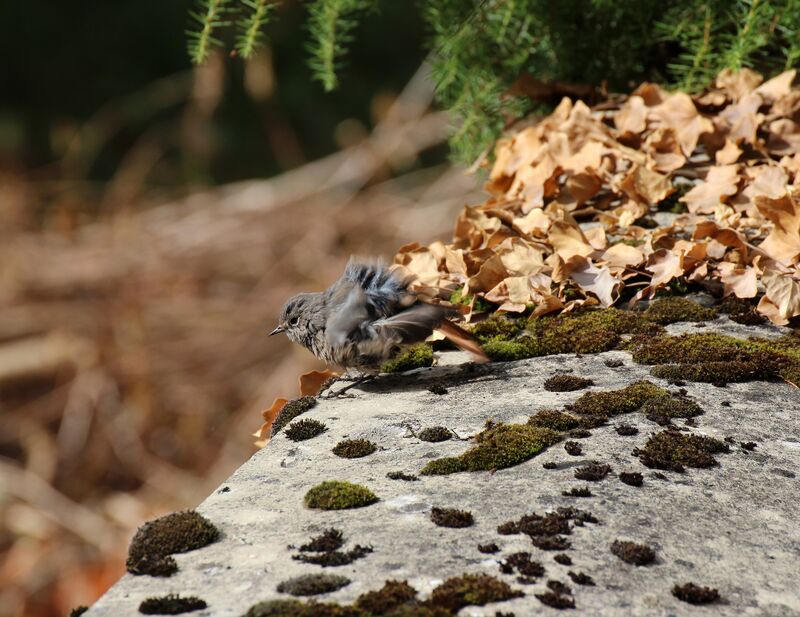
x,y
741,282
679,113
632,117
665,266
783,241
568,240
263,434
645,185
311,382
728,154
777,87
738,83
721,182
781,299
597,280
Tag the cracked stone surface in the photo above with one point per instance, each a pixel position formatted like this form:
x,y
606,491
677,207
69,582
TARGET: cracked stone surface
x,y
733,527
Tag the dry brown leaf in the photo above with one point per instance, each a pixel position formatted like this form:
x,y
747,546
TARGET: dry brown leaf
x,y
263,434
665,266
312,382
721,182
632,117
583,186
664,150
491,273
777,87
568,240
645,185
536,222
784,137
519,258
741,282
742,118
783,241
548,304
679,113
781,299
596,280
728,154
738,83
622,256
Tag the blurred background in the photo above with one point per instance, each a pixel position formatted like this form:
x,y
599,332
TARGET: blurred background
x,y
153,219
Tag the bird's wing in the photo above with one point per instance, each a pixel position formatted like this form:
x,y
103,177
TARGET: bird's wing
x,y
348,315
386,290
412,325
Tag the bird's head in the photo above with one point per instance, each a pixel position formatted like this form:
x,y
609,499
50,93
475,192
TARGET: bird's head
x,y
296,315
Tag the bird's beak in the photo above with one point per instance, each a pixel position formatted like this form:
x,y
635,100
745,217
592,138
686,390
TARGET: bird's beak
x,y
277,330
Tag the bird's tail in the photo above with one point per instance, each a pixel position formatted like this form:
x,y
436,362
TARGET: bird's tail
x,y
463,340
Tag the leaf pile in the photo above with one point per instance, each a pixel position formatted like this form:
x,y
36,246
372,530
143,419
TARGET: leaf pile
x,y
593,206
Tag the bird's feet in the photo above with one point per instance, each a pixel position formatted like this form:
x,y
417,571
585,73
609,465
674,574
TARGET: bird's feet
x,y
330,393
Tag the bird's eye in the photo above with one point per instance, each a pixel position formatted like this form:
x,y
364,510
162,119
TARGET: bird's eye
x,y
293,321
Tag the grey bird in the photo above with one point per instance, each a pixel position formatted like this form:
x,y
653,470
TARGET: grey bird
x,y
366,318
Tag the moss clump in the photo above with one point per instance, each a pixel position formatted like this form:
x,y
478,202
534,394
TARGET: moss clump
x,y
290,411
626,430
632,478
594,472
354,448
438,389
411,358
497,447
399,475
573,448
332,559
295,608
488,548
307,428
522,563
617,402
716,358
673,450
633,553
154,542
337,495
563,559
556,420
471,590
171,604
329,540
663,409
387,598
741,311
312,584
582,491
672,309
579,578
695,594
556,599
480,305
566,383
590,331
435,434
450,517
78,611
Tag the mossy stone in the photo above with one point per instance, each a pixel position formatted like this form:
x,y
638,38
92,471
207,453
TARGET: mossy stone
x,y
337,495
672,309
354,448
414,357
497,447
154,542
472,590
617,402
312,584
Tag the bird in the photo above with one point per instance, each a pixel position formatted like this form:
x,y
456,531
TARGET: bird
x,y
368,316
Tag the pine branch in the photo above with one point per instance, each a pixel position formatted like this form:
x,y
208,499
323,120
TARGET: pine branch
x,y
331,24
209,17
251,28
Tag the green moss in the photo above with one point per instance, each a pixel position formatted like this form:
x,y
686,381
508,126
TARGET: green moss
x,y
435,434
695,594
312,584
561,421
154,542
497,447
336,495
171,604
633,553
291,410
719,358
329,540
674,450
400,475
480,305
741,311
392,595
663,409
616,402
589,331
304,429
472,590
566,383
413,357
354,448
332,559
295,608
672,309
451,517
